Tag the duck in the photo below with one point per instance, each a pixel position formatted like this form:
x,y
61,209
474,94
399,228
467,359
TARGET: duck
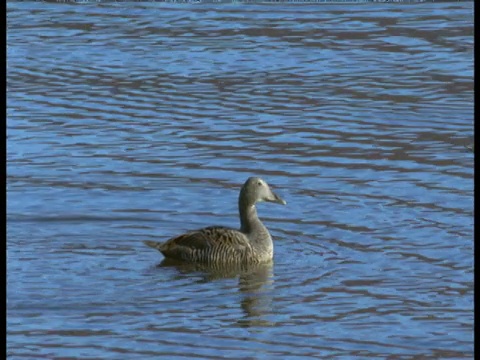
x,y
251,244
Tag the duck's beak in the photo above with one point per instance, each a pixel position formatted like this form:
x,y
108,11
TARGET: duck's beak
x,y
276,199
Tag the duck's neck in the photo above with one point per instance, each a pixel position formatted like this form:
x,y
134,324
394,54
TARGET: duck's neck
x,y
256,232
249,221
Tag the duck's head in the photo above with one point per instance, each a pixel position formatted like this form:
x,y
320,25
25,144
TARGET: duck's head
x,y
255,190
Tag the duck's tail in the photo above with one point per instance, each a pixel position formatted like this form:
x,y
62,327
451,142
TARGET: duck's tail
x,y
154,244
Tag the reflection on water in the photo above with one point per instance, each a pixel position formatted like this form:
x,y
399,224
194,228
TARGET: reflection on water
x,y
139,121
254,283
257,301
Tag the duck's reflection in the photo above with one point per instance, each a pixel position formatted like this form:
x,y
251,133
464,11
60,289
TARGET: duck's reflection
x,y
254,283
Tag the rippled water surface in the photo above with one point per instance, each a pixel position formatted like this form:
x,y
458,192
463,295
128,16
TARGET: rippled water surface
x,y
138,121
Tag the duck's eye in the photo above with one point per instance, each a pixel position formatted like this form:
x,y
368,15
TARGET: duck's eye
x,y
259,183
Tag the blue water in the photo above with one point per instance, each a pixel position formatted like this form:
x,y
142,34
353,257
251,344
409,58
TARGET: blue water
x,y
139,121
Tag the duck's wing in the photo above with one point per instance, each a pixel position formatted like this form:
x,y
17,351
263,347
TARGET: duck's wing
x,y
211,243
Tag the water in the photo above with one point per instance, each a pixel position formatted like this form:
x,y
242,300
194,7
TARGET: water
x,y
138,121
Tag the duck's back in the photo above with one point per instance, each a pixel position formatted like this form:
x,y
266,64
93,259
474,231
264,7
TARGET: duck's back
x,y
213,244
